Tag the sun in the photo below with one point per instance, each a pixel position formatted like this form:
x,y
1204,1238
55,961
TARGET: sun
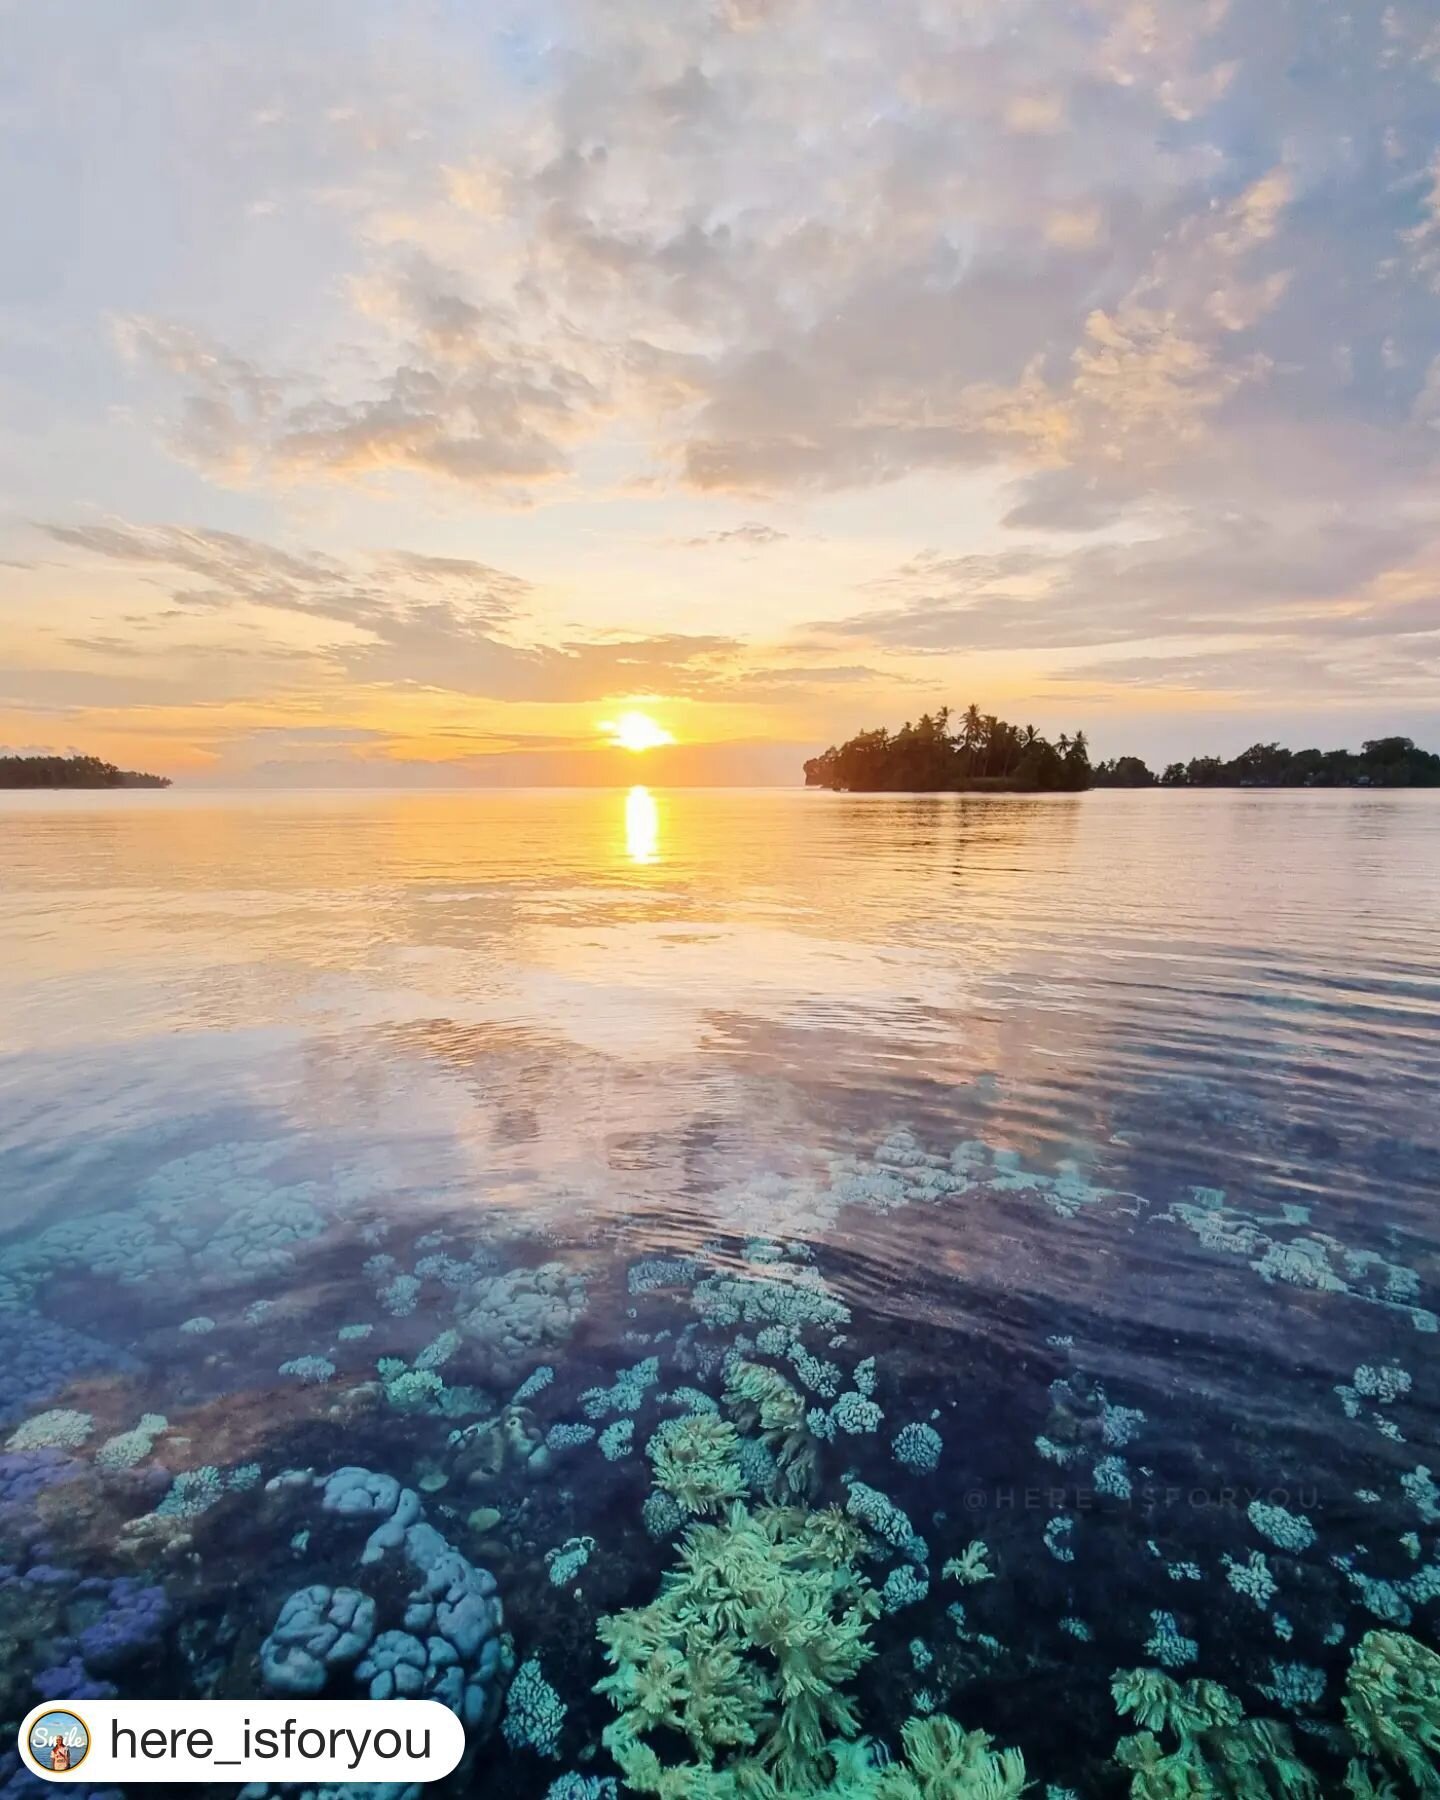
x,y
636,731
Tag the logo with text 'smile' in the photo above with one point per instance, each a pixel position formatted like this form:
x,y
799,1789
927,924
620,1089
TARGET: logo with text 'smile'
x,y
59,1741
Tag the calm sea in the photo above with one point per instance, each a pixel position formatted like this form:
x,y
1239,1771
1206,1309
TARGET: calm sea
x,y
1107,1125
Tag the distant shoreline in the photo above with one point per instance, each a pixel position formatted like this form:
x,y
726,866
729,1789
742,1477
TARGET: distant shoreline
x,y
987,755
57,773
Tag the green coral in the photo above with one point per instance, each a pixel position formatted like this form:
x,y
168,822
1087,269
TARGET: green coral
x,y
697,1462
746,1652
746,1648
762,1399
1392,1707
1219,1754
944,1762
970,1565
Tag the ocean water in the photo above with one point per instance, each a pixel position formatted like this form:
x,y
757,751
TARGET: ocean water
x,y
1087,1146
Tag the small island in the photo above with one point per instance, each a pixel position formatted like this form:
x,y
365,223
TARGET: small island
x,y
985,754
72,772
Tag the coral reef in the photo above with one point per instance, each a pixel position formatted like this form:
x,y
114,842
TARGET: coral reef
x,y
1218,1751
319,1629
696,1461
1392,1707
761,1400
918,1447
515,1319
53,1430
710,1659
534,1712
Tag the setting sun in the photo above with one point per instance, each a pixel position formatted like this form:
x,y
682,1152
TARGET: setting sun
x,y
636,731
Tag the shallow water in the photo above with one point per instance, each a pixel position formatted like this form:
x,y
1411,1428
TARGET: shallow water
x,y
1134,1093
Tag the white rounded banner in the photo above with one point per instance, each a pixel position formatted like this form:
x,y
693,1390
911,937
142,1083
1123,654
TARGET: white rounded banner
x,y
96,1741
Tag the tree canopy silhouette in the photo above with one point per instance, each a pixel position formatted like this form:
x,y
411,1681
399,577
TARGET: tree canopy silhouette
x,y
72,772
940,754
1381,762
936,755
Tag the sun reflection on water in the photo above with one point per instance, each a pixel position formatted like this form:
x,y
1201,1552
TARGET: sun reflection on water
x,y
642,826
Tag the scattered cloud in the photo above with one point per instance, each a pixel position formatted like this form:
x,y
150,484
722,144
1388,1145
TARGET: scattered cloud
x,y
400,620
1127,309
750,536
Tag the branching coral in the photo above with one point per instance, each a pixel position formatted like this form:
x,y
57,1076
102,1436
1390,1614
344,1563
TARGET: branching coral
x,y
534,1712
1392,1706
918,1447
885,1519
747,1648
1220,1754
697,1462
760,1398
970,1565
945,1762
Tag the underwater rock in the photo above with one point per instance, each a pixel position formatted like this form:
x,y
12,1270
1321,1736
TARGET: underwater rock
x,y
396,1667
480,1452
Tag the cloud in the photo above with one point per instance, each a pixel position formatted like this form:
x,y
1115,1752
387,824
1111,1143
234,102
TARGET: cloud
x,y
750,536
470,403
1091,240
1272,583
403,619
1147,290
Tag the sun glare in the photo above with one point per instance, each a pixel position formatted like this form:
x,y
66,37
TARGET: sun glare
x,y
636,731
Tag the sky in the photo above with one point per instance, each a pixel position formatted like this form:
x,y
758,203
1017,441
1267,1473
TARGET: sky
x,y
393,393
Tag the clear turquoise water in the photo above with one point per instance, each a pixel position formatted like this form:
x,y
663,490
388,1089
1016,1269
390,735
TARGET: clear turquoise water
x,y
1128,1090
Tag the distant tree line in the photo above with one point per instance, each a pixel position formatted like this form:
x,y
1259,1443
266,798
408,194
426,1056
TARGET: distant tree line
x,y
71,772
1382,762
929,757
937,754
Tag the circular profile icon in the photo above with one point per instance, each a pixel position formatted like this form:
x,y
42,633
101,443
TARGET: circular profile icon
x,y
59,1740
